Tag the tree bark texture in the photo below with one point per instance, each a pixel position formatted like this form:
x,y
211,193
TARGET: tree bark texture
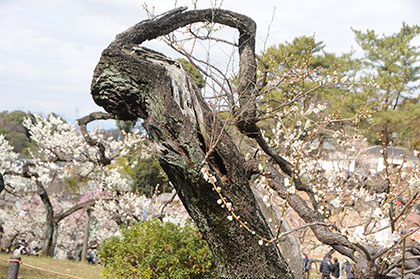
x,y
131,82
289,245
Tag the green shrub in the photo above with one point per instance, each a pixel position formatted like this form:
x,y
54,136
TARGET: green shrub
x,y
157,250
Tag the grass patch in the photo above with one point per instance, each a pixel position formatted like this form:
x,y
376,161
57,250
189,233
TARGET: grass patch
x,y
86,271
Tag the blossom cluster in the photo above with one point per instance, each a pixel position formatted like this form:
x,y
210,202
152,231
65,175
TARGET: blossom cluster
x,y
7,156
65,167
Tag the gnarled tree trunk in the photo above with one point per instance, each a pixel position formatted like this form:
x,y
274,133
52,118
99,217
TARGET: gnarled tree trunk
x,y
131,82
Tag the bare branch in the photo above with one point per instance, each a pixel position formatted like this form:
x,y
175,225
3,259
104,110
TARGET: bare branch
x,y
83,123
309,215
196,36
75,208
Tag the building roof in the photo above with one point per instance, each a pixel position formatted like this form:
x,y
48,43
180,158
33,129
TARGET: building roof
x,y
394,152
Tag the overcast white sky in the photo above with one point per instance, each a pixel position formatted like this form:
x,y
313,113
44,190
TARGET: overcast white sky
x,y
49,48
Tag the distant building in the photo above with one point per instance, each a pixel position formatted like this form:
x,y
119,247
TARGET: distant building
x,y
336,158
396,156
359,156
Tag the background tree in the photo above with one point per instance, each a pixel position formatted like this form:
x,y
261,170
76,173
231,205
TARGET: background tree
x,y
11,125
194,72
126,126
149,177
63,154
394,61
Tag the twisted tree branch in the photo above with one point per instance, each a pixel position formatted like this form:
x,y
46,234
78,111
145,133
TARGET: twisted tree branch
x,y
83,123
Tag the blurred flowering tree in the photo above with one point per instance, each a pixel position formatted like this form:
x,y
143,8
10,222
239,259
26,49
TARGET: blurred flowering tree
x,y
278,119
62,155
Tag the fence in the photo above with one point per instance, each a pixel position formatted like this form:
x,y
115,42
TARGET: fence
x,y
15,262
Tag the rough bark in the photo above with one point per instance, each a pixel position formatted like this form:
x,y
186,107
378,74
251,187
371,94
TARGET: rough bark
x,y
131,82
289,246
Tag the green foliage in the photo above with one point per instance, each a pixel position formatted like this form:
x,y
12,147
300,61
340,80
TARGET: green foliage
x,y
298,68
17,135
384,81
73,182
157,250
305,54
194,72
126,125
394,61
148,174
403,121
306,51
145,171
300,50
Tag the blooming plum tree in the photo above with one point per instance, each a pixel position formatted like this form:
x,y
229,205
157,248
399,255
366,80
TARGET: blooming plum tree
x,y
283,137
62,152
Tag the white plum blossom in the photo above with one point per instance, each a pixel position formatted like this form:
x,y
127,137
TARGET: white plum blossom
x,y
357,235
383,235
378,214
115,180
291,189
207,175
62,153
7,156
336,202
266,198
